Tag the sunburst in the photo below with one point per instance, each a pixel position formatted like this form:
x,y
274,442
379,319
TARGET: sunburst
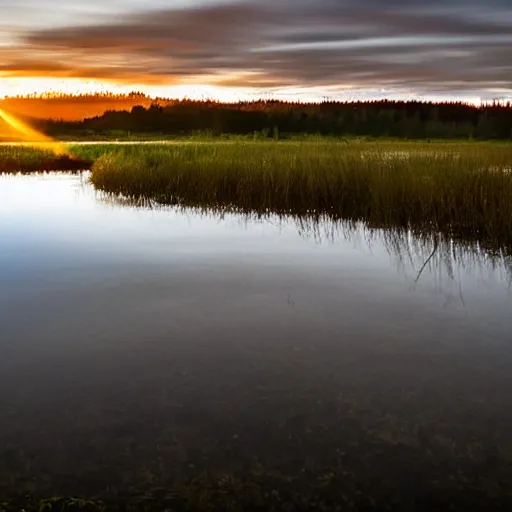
x,y
31,136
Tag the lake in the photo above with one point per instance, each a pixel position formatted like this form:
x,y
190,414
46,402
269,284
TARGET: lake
x,y
142,347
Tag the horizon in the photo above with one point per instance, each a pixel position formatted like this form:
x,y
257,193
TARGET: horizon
x,y
241,50
133,94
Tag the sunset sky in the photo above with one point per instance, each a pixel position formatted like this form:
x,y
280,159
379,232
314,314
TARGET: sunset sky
x,y
234,49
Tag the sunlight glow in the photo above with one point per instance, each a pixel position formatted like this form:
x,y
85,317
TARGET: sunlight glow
x,y
226,88
23,86
32,136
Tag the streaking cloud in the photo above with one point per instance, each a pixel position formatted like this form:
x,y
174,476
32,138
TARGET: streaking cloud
x,y
400,47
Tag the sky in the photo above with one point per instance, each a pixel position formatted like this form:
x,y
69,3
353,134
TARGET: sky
x,y
243,49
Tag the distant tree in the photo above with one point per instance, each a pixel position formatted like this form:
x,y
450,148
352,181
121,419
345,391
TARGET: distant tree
x,y
271,118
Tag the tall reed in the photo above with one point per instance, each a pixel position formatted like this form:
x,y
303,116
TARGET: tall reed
x,y
463,190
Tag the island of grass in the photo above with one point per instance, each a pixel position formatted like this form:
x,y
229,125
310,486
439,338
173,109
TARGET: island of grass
x,y
463,190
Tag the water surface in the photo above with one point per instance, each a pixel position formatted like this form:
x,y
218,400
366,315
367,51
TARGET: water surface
x,y
140,347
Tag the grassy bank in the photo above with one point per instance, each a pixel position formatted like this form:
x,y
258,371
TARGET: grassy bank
x,y
26,159
462,190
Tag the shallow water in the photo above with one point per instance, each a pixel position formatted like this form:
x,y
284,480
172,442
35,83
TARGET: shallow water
x,y
141,346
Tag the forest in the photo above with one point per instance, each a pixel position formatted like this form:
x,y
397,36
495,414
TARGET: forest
x,y
136,113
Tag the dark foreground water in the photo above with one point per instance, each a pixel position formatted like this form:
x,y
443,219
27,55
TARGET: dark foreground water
x,y
150,352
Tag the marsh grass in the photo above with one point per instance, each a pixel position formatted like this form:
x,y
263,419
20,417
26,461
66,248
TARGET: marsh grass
x,y
27,159
461,190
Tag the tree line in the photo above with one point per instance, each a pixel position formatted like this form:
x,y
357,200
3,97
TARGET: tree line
x,y
272,118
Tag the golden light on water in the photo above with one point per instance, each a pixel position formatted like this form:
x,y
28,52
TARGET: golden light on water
x,y
31,136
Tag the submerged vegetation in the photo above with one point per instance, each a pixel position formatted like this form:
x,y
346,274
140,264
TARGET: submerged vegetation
x,y
462,190
286,426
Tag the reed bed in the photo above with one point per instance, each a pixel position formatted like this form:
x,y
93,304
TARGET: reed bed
x,y
462,190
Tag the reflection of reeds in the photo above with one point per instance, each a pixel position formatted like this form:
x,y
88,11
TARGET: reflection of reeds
x,y
433,251
462,191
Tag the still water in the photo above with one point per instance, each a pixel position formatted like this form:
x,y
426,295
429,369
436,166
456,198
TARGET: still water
x,y
141,347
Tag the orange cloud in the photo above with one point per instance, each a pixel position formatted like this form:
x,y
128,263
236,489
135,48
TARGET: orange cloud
x,y
265,44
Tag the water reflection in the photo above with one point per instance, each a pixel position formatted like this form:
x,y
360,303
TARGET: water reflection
x,y
144,348
429,255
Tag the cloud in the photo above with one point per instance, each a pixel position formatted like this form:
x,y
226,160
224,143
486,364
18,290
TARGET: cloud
x,y
434,47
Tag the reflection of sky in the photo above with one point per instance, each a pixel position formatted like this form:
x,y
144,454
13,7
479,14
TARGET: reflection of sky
x,y
121,328
97,301
58,229
73,214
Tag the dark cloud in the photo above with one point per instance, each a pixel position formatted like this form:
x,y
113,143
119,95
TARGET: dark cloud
x,y
425,47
